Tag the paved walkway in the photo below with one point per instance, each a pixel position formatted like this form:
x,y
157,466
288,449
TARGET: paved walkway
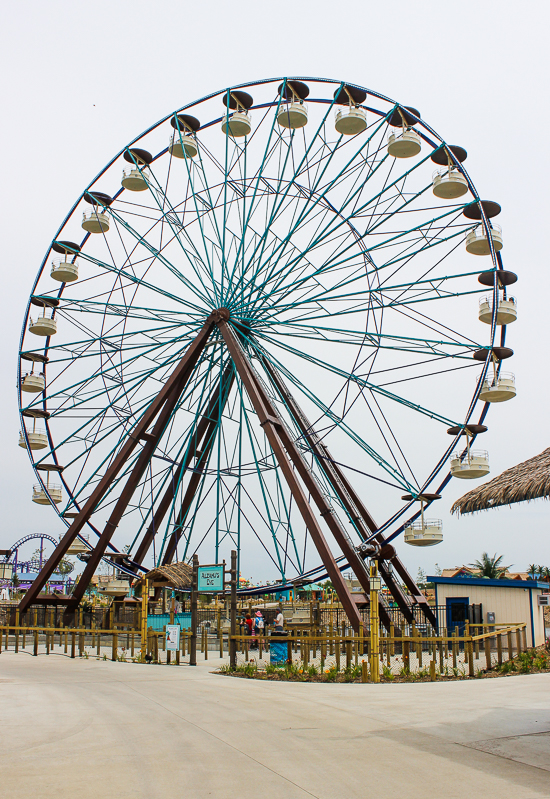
x,y
88,728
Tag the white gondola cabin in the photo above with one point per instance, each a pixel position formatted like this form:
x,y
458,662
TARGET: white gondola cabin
x,y
469,464
137,176
65,269
292,113
478,242
449,183
33,383
78,547
407,143
423,532
96,220
472,464
44,325
50,492
237,124
353,119
183,141
37,439
498,388
506,312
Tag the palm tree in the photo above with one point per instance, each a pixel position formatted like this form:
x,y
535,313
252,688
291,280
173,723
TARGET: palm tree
x,y
533,570
490,567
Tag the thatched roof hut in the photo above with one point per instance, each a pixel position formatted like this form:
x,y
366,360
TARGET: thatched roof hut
x,y
178,576
526,481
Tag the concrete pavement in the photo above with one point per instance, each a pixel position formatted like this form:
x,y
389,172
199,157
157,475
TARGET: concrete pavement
x,y
88,728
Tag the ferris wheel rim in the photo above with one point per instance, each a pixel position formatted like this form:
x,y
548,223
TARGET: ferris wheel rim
x,y
496,259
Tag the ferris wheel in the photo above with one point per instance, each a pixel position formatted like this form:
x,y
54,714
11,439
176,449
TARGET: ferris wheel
x,y
267,339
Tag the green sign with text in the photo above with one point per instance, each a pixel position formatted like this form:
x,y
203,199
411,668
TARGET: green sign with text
x,y
210,579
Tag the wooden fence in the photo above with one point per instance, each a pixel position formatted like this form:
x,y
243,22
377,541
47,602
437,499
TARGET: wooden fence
x,y
481,646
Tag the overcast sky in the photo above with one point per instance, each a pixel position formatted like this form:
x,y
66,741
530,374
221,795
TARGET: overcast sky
x,y
82,79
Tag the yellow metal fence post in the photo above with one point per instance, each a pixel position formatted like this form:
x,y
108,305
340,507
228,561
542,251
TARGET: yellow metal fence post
x,y
144,603
374,624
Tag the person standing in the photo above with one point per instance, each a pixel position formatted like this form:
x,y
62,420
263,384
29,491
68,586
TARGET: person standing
x,y
279,620
249,623
259,623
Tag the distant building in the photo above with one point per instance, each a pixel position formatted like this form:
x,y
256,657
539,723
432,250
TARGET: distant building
x,y
478,600
468,571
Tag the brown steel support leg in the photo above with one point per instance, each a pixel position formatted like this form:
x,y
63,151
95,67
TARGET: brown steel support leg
x,y
194,480
128,490
351,501
355,561
278,440
180,374
342,490
190,492
204,430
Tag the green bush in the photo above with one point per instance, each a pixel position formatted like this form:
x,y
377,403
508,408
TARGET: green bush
x,y
274,668
331,674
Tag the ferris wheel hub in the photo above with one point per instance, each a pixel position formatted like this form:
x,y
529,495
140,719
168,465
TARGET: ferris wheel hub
x,y
220,315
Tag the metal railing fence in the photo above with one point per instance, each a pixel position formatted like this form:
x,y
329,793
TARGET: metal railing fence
x,y
449,654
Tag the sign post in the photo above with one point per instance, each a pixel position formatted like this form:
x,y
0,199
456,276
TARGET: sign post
x,y
172,637
194,613
210,579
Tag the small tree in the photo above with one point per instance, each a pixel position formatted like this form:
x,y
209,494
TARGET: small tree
x,y
65,565
421,578
490,567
